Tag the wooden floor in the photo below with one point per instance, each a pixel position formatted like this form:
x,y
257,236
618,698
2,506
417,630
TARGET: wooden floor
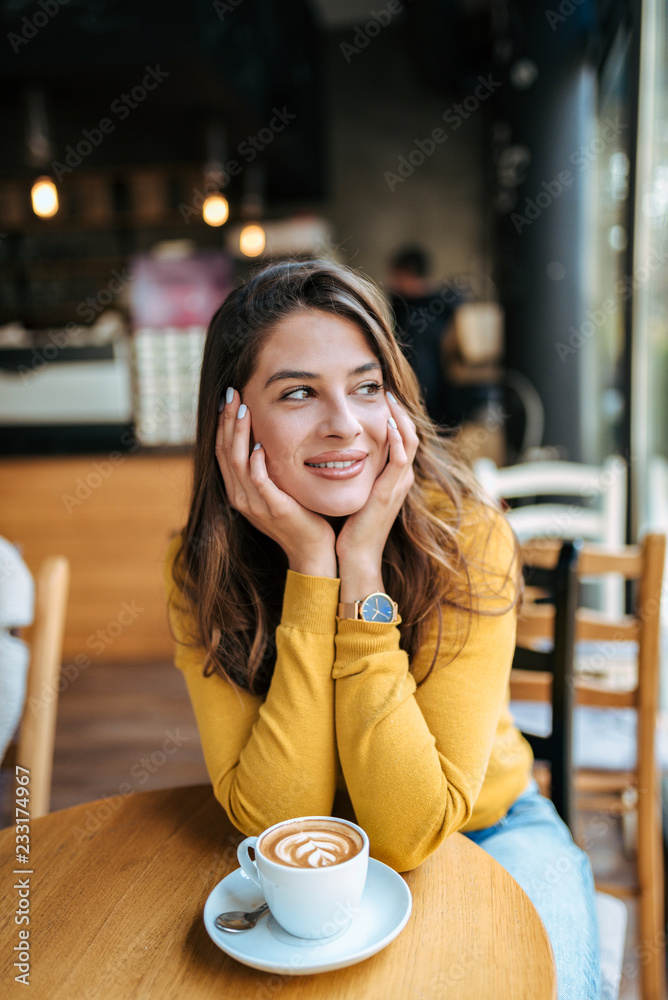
x,y
123,725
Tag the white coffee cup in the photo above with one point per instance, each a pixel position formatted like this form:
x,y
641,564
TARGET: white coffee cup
x,y
308,902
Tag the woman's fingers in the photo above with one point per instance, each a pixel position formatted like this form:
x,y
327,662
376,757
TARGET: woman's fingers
x,y
246,480
239,430
398,458
403,440
227,450
405,427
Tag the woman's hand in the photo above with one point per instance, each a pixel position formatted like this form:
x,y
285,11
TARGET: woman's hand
x,y
361,541
306,538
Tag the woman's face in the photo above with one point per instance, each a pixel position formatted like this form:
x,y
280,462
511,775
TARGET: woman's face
x,y
307,399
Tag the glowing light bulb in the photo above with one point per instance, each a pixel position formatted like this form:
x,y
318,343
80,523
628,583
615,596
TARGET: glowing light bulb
x,y
44,198
215,210
252,240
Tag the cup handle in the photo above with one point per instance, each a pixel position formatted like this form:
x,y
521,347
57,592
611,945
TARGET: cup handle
x,y
243,856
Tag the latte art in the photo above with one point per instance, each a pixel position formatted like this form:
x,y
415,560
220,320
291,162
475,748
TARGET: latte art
x,y
316,851
311,846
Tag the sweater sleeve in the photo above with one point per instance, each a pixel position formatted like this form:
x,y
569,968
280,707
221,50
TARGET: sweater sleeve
x,y
414,759
275,757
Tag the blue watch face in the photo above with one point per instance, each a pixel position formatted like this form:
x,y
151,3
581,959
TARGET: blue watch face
x,y
377,608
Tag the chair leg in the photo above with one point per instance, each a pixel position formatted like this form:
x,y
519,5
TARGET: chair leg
x,y
652,932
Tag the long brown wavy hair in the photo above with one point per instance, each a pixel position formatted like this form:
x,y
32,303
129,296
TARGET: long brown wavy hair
x,y
231,577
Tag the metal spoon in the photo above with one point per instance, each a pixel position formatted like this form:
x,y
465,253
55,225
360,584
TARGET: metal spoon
x,y
236,920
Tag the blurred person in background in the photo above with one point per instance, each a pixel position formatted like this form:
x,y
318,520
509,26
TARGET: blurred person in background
x,y
424,314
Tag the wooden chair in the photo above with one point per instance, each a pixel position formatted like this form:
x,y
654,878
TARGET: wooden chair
x,y
614,792
34,748
600,516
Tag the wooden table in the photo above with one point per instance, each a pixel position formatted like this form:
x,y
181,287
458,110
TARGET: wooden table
x,y
119,885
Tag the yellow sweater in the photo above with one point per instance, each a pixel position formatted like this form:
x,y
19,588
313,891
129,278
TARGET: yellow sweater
x,y
343,712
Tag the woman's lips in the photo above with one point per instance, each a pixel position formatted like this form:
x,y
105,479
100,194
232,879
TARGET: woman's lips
x,y
352,470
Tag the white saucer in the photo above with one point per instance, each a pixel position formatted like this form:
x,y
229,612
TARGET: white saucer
x,y
383,912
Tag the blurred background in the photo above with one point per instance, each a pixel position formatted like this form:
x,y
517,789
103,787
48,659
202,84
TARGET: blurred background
x,y
521,147
499,167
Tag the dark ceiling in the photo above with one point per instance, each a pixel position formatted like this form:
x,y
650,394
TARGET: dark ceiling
x,y
232,62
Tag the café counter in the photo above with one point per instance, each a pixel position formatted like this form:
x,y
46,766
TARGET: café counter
x,y
111,515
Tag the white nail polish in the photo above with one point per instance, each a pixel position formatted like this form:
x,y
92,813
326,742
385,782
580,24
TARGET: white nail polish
x,y
255,447
242,411
229,395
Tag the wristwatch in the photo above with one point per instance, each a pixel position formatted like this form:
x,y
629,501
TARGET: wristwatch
x,y
377,607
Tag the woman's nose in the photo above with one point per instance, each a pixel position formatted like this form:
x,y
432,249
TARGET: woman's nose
x,y
340,419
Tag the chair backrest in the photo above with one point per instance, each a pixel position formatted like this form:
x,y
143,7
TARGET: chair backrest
x,y
556,583
601,517
605,523
537,626
34,749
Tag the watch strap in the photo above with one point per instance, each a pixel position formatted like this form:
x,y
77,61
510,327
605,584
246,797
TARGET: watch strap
x,y
352,609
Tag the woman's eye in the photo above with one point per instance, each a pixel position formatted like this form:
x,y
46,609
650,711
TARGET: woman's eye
x,y
291,394
374,386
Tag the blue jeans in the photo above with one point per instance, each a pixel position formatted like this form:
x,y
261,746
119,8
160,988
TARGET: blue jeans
x,y
534,844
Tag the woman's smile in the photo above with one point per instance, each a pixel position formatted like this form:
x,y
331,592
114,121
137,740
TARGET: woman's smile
x,y
338,470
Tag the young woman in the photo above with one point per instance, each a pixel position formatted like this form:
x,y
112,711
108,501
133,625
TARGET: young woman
x,y
344,601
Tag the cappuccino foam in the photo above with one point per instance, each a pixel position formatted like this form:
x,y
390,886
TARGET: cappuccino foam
x,y
311,844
